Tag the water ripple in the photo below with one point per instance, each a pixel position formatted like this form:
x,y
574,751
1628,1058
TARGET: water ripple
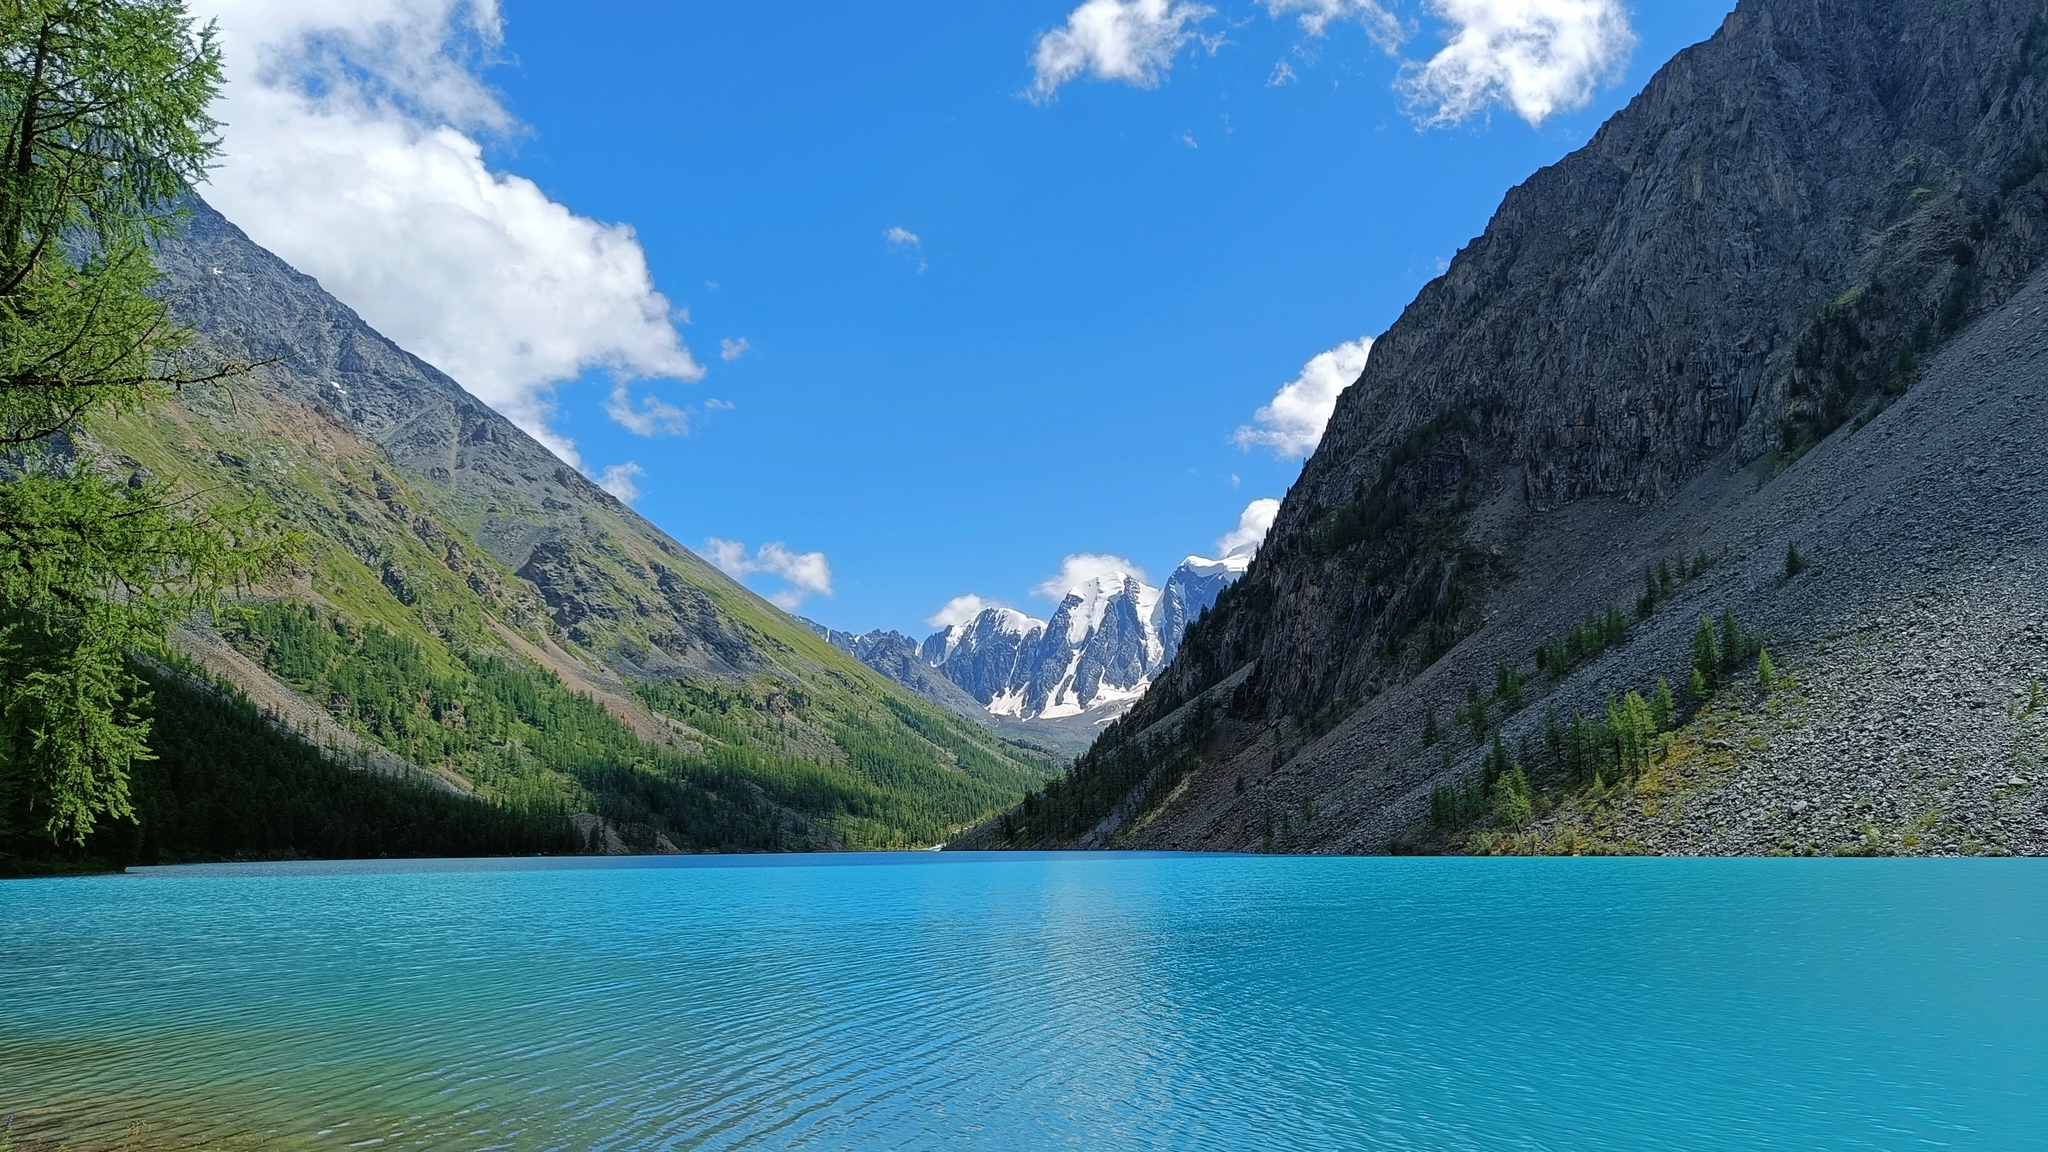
x,y
1033,1003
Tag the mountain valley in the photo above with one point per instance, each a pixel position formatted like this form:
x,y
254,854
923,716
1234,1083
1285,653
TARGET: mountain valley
x,y
470,615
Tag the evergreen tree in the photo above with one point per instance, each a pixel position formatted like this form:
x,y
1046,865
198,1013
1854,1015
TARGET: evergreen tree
x,y
1766,675
103,109
1496,763
1794,562
1430,732
1663,708
1706,658
1732,643
1512,803
1508,687
1632,726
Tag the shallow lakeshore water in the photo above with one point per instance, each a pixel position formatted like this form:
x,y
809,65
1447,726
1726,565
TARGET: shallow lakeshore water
x,y
1023,1002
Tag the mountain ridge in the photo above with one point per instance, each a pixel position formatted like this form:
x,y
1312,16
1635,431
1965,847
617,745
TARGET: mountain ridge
x,y
472,606
1758,257
1085,664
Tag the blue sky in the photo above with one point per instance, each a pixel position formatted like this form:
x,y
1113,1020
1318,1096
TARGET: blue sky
x,y
1104,285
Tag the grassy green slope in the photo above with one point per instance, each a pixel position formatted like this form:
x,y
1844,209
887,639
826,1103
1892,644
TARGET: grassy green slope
x,y
469,603
413,640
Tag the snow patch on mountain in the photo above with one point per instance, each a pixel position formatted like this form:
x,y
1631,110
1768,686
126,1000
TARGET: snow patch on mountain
x,y
1111,633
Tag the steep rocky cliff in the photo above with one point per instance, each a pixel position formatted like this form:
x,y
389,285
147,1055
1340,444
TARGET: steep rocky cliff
x,y
1775,242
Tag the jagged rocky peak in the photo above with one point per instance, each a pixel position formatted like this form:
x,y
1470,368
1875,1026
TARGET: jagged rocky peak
x,y
1193,588
1105,641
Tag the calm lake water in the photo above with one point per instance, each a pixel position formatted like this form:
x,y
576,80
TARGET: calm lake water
x,y
1025,1002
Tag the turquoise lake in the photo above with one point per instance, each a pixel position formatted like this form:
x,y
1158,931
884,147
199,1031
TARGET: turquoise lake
x,y
921,1001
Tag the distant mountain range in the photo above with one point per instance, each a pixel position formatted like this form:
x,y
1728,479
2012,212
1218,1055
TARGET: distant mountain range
x,y
1087,664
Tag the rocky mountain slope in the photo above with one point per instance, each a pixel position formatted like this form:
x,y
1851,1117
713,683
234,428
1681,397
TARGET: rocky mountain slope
x,y
468,605
1783,298
1058,679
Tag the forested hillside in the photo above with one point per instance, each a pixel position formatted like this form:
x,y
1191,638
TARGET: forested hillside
x,y
459,599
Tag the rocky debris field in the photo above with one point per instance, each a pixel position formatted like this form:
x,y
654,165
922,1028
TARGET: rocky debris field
x,y
1912,639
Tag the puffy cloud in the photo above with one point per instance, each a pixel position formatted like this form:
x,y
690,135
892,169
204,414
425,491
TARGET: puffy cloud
x,y
1292,425
1079,569
1317,15
730,350
622,481
1539,57
352,151
1252,526
806,573
1128,40
959,610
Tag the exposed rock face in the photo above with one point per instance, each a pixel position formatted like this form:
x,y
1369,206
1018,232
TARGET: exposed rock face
x,y
1753,241
1915,716
1191,591
896,656
1768,244
990,656
1096,655
612,583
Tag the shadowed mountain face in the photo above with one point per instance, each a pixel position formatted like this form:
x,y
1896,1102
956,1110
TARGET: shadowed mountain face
x,y
1758,256
471,608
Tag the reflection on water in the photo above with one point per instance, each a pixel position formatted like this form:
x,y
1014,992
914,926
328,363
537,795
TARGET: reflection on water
x,y
923,1001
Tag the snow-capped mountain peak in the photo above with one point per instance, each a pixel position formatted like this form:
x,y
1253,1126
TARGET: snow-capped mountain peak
x,y
1110,634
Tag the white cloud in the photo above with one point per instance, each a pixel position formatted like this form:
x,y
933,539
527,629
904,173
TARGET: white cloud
x,y
1252,526
654,416
730,350
1539,57
807,573
959,610
622,481
1292,424
1080,568
1282,75
352,152
1128,40
1317,16
904,238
